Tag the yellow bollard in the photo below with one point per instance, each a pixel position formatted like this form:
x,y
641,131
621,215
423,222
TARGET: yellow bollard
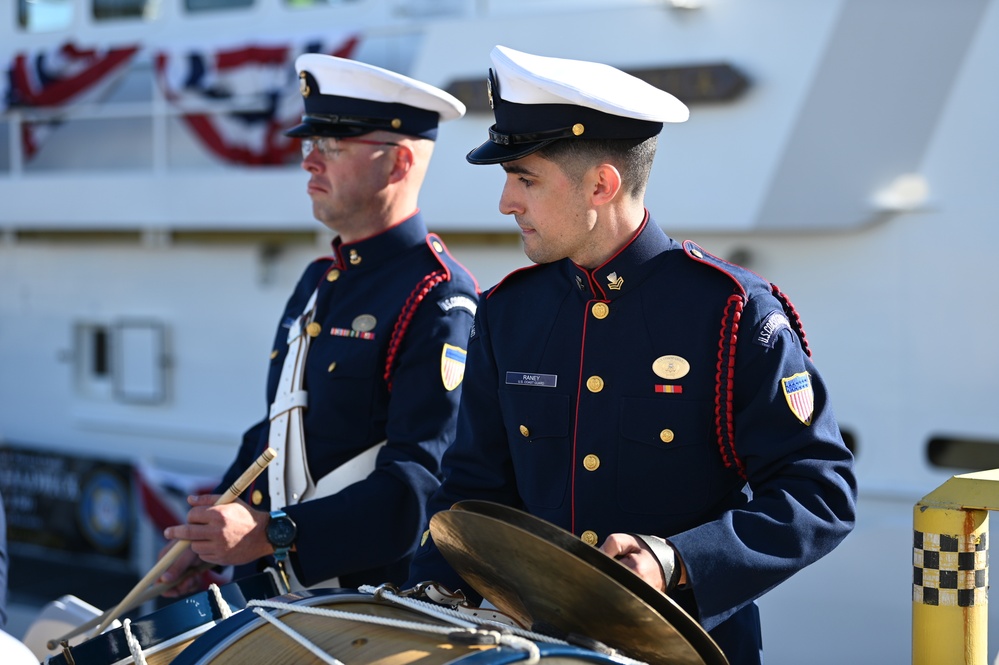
x,y
949,585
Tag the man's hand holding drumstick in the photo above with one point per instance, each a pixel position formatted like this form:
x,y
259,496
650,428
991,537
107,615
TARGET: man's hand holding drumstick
x,y
224,535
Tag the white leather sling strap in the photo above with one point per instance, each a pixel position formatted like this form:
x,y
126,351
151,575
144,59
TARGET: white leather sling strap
x,y
288,478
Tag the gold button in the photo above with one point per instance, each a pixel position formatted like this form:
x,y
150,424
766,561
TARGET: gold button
x,y
697,253
274,354
591,462
524,431
257,497
331,367
333,275
594,384
666,435
438,247
600,310
313,329
589,537
578,129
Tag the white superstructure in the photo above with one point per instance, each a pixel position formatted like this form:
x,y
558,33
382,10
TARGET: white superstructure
x,y
141,275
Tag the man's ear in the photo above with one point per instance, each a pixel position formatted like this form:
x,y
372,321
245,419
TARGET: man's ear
x,y
404,159
605,184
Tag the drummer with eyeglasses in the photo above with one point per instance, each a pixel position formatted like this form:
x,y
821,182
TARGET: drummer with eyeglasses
x,y
367,363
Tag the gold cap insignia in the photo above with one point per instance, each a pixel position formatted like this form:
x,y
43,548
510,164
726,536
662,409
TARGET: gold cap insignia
x,y
303,85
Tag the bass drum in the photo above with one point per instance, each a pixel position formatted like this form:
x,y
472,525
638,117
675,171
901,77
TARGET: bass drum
x,y
162,634
356,628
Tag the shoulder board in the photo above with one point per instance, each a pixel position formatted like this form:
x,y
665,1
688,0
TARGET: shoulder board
x,y
745,280
512,277
446,260
749,283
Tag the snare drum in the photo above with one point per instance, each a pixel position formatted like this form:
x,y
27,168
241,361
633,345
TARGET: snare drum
x,y
355,628
166,632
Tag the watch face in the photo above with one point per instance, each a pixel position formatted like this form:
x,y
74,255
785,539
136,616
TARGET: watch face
x,y
281,531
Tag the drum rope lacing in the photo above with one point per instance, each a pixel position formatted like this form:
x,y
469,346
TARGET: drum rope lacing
x,y
471,631
390,593
133,644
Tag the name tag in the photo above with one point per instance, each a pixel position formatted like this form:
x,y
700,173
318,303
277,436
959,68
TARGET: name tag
x,y
528,379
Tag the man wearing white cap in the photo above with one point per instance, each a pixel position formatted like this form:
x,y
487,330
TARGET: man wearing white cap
x,y
369,355
655,400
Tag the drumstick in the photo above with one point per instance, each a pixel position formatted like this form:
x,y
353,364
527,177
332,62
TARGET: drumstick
x,y
175,551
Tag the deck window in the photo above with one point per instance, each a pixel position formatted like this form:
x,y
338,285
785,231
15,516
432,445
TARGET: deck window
x,y
212,5
44,15
118,9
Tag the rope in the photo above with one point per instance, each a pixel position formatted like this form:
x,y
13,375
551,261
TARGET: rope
x,y
446,613
133,644
469,633
297,637
224,608
351,616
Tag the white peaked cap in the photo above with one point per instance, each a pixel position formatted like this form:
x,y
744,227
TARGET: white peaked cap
x,y
538,100
346,98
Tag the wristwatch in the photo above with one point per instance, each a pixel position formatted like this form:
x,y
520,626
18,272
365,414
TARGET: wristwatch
x,y
281,532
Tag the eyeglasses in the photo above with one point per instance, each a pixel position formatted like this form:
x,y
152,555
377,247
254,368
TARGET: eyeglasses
x,y
329,146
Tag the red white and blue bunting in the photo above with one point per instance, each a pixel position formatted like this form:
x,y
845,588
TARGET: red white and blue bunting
x,y
236,100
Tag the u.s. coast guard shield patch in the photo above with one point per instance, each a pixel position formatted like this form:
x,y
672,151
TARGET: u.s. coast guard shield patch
x,y
798,393
452,366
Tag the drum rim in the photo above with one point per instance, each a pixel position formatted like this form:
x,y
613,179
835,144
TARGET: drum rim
x,y
111,646
241,624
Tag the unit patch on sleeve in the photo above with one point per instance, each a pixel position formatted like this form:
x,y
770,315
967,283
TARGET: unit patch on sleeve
x,y
452,366
462,302
798,393
773,324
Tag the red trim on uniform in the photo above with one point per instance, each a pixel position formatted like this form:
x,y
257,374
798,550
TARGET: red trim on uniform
x,y
406,317
795,318
725,383
575,424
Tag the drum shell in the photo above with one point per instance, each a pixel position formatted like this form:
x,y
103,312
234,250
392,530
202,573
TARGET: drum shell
x,y
248,639
169,630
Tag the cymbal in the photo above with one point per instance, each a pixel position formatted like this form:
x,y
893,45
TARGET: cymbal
x,y
546,578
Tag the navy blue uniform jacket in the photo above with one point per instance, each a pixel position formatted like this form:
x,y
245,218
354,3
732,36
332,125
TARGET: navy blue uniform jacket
x,y
366,386
738,462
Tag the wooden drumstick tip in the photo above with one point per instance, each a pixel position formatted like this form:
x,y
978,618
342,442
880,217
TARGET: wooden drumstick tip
x,y
241,483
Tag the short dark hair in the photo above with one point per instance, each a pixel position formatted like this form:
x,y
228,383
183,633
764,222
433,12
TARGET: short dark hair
x,y
632,157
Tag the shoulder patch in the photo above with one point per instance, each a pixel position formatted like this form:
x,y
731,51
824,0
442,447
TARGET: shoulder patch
x,y
460,302
773,323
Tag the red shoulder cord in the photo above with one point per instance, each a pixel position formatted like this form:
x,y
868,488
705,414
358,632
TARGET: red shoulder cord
x,y
406,317
793,315
725,383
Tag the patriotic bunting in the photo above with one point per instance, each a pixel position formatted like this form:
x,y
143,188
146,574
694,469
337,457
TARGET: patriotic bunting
x,y
206,84
261,76
61,77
